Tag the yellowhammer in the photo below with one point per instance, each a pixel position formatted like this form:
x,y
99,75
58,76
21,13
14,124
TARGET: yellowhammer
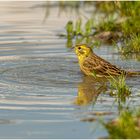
x,y
93,65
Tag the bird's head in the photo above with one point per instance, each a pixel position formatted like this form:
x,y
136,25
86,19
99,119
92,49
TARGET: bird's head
x,y
82,51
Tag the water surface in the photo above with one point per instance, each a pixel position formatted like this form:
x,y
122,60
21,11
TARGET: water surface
x,y
40,80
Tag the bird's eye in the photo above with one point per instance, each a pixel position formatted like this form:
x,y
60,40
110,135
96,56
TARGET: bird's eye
x,y
79,48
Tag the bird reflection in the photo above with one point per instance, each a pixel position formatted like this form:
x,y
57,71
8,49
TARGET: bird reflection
x,y
89,90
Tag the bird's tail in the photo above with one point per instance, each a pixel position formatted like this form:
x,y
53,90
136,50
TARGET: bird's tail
x,y
133,73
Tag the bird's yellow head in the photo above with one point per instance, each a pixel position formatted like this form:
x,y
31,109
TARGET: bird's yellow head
x,y
82,51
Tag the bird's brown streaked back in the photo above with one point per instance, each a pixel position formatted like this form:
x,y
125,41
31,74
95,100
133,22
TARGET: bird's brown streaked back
x,y
92,64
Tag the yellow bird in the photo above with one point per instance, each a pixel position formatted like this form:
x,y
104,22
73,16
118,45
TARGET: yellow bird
x,y
93,65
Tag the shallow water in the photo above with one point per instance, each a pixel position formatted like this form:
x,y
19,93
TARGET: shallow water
x,y
40,78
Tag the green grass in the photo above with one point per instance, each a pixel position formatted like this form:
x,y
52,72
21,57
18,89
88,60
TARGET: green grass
x,y
131,44
70,29
78,28
105,7
128,8
122,8
76,34
119,17
75,29
107,25
126,22
119,88
125,127
130,26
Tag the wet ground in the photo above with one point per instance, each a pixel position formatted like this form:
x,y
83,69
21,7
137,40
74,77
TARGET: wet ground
x,y
42,91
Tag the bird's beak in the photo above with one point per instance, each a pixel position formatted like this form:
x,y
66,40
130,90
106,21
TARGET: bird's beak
x,y
73,47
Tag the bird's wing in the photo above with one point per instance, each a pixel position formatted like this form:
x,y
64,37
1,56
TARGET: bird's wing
x,y
99,66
